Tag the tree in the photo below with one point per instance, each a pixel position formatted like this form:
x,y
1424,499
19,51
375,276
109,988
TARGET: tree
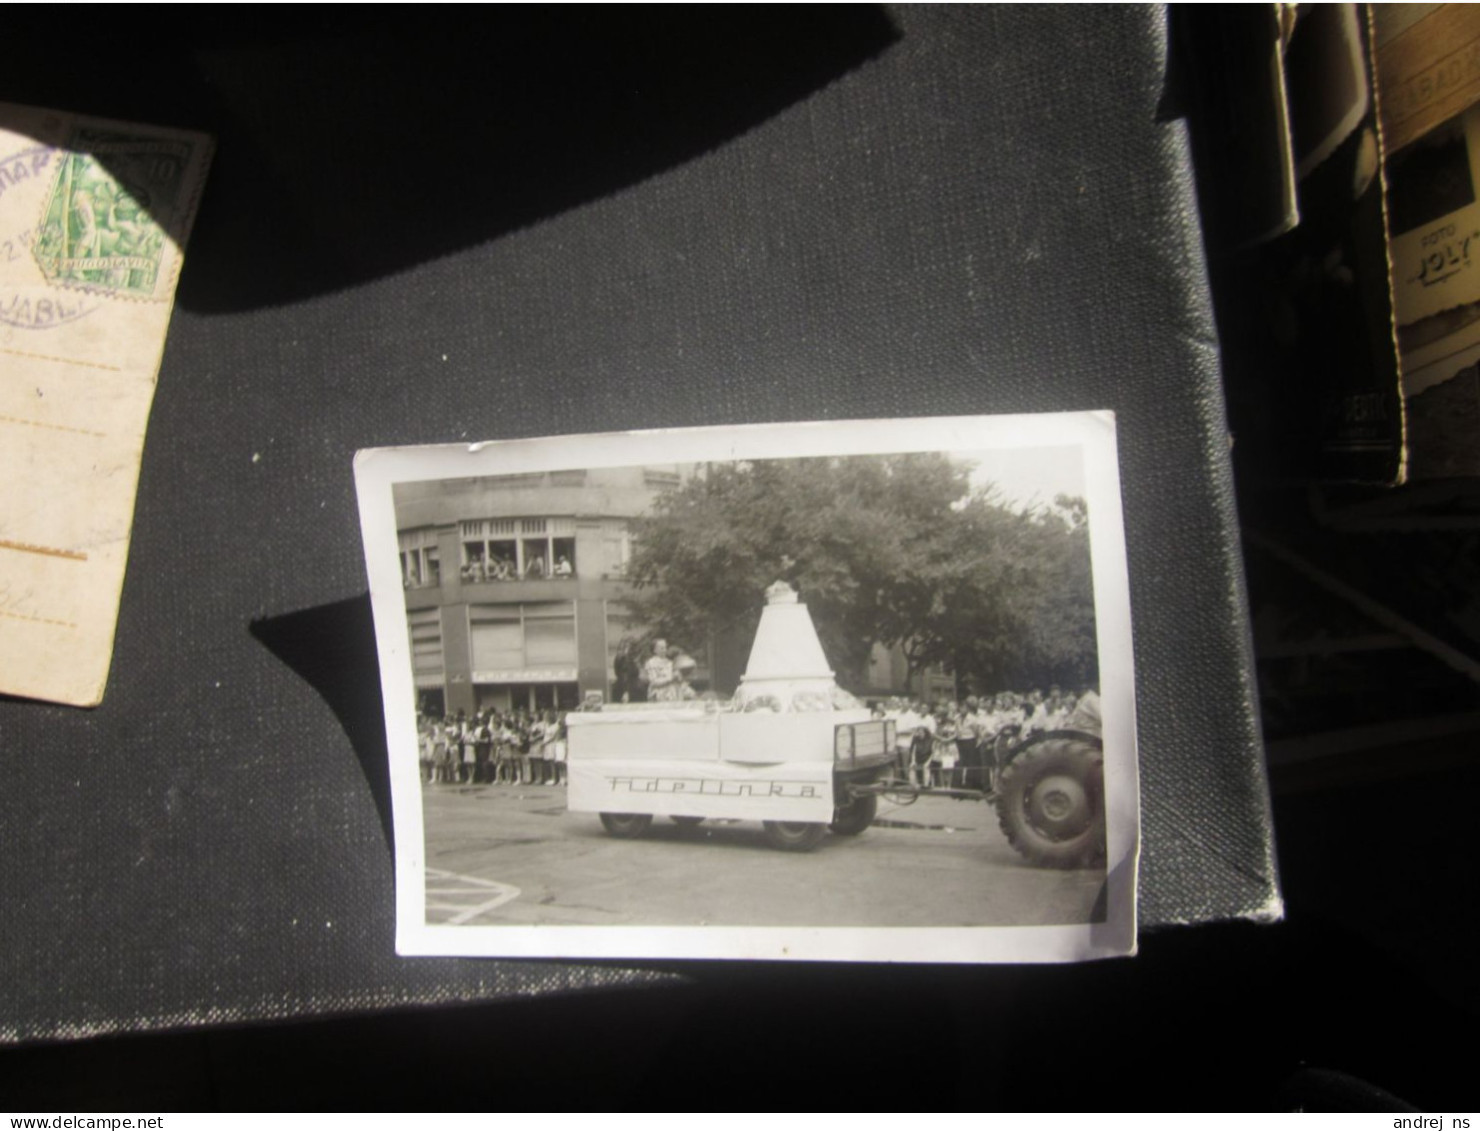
x,y
892,550
841,530
1021,611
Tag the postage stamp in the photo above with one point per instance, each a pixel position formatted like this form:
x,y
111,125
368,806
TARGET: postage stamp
x,y
112,213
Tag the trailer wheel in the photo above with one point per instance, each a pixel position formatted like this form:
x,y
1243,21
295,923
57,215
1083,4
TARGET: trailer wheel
x,y
795,836
852,818
687,822
1051,803
626,826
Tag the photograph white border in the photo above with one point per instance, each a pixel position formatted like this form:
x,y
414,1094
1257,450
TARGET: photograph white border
x,y
378,470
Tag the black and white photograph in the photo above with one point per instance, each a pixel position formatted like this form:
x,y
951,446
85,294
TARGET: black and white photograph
x,y
850,690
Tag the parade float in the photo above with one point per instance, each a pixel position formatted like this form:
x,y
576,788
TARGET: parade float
x,y
793,750
790,749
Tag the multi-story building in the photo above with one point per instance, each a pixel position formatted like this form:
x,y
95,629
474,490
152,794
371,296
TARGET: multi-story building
x,y
515,588
514,583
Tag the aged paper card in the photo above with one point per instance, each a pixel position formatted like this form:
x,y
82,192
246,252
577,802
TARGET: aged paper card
x,y
94,216
848,690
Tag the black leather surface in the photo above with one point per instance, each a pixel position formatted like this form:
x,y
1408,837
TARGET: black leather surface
x,y
863,214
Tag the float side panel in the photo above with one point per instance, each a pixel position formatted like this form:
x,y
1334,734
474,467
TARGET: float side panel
x,y
794,791
766,738
694,738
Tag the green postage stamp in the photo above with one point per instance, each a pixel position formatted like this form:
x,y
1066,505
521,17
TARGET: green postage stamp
x,y
109,220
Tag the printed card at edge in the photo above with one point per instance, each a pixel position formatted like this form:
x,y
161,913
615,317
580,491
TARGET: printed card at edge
x,y
94,216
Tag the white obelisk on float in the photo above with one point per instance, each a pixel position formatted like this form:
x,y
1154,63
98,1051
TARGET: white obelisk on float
x,y
787,670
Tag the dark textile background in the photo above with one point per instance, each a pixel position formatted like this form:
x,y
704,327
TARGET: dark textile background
x,y
432,227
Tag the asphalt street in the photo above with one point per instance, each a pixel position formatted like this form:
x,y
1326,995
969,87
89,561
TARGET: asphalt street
x,y
500,854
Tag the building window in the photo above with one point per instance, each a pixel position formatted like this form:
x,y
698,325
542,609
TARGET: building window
x,y
510,549
498,637
508,638
420,566
425,630
550,634
533,560
662,475
563,557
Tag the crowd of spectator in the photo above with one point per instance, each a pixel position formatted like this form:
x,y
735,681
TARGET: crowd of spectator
x,y
957,745
493,747
947,745
479,570
500,568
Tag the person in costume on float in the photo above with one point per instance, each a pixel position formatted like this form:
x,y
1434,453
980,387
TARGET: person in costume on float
x,y
663,683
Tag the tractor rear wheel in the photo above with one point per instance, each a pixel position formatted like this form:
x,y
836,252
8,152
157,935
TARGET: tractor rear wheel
x,y
1051,803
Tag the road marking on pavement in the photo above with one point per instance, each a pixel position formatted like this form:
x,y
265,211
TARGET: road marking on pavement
x,y
487,894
